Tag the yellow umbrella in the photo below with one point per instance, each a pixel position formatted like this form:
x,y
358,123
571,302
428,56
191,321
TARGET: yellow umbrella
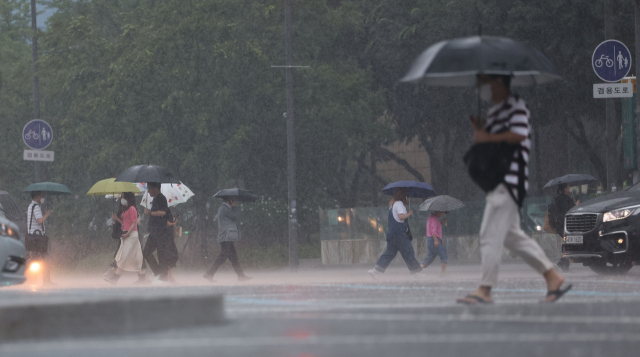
x,y
111,187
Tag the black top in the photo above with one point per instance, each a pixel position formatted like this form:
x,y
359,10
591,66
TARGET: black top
x,y
159,224
564,204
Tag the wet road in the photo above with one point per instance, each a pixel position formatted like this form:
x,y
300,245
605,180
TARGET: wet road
x,y
344,312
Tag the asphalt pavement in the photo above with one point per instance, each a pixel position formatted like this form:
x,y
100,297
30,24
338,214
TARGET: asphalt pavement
x,y
344,312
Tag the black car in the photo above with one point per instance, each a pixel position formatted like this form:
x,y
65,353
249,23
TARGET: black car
x,y
604,233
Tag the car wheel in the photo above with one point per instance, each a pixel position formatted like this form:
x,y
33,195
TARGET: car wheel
x,y
611,268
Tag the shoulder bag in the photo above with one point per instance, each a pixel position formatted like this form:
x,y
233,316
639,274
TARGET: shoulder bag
x,y
36,241
117,230
488,163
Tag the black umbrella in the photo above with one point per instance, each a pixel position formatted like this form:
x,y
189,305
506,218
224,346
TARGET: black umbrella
x,y
147,173
457,62
573,179
414,189
237,193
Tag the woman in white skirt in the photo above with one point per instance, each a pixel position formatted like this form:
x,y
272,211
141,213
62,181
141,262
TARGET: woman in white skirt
x,y
129,256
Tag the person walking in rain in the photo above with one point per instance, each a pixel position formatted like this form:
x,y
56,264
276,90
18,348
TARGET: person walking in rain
x,y
507,122
561,204
129,255
35,222
397,238
435,243
160,235
227,234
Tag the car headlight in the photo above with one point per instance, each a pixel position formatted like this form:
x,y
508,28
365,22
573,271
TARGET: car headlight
x,y
13,264
617,214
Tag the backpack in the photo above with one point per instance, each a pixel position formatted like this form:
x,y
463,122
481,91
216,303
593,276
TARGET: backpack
x,y
556,218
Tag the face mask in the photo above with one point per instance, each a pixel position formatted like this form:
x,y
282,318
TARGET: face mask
x,y
123,201
42,201
485,92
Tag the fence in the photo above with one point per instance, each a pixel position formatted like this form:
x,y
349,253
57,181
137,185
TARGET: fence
x,y
371,222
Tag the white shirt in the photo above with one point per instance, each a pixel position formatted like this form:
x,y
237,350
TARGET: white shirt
x,y
37,214
399,208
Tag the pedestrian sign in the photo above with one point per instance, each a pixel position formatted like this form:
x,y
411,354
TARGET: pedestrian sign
x,y
612,90
611,61
38,155
37,134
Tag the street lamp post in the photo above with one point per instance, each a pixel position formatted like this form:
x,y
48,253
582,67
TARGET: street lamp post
x,y
291,144
36,81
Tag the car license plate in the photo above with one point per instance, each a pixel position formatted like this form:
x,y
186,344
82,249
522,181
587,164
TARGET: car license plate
x,y
574,240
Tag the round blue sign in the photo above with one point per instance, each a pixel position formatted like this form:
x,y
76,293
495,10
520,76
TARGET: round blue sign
x,y
611,61
37,134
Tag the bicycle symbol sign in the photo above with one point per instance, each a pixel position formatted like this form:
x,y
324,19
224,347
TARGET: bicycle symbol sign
x,y
37,134
611,61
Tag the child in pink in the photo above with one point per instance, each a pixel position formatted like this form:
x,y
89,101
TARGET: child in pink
x,y
435,244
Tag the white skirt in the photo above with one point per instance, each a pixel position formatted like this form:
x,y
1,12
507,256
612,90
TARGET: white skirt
x,y
129,256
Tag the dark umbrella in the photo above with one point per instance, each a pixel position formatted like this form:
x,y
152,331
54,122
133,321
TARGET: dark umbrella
x,y
442,203
50,188
414,189
574,179
147,173
238,193
457,62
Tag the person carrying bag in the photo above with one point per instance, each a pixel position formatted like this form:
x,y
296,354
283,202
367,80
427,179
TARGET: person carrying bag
x,y
36,242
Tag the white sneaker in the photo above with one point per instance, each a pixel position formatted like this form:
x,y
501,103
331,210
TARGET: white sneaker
x,y
374,273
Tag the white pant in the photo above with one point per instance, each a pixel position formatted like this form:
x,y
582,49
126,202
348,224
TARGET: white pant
x,y
501,227
129,256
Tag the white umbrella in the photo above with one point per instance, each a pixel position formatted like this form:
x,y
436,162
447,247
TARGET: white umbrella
x,y
442,203
175,193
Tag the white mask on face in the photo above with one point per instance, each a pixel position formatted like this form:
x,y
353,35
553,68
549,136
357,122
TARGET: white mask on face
x,y
485,92
123,202
42,201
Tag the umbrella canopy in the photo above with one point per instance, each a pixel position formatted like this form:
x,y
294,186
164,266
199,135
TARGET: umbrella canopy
x,y
147,173
457,62
414,189
238,193
50,188
442,203
574,179
111,187
175,194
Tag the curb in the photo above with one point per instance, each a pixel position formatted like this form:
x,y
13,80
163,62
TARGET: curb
x,y
110,317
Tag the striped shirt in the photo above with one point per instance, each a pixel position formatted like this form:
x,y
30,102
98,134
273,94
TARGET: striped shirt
x,y
37,214
513,115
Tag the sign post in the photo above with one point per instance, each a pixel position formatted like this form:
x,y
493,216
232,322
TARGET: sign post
x,y
611,61
37,135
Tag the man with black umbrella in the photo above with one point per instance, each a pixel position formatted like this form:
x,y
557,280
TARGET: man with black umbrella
x,y
160,235
228,233
507,123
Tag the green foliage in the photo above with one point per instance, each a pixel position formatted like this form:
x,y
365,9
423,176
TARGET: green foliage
x,y
188,84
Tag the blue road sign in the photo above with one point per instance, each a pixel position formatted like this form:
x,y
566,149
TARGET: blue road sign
x,y
37,134
611,61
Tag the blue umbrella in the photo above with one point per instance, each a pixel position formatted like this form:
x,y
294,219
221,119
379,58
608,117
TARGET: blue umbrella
x,y
414,189
50,188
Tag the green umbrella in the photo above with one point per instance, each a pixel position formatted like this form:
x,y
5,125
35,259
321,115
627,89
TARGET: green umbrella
x,y
50,188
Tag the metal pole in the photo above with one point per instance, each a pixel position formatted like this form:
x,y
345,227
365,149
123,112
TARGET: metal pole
x,y
36,82
610,103
291,144
637,78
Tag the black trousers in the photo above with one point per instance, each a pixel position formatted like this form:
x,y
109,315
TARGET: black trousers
x,y
227,251
151,246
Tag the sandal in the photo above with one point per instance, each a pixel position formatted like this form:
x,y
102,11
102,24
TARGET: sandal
x,y
558,293
469,300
